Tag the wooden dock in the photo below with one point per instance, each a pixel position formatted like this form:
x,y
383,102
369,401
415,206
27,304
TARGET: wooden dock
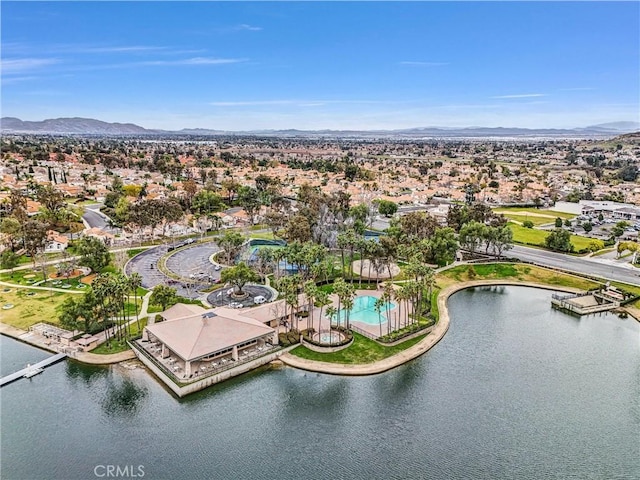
x,y
44,363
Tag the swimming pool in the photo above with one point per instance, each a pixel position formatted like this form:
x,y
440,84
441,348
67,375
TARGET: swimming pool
x,y
363,310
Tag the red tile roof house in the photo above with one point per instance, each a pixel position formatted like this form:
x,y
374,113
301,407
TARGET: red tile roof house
x,y
96,232
55,242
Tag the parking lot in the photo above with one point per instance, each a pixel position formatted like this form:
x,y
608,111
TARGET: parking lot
x,y
191,264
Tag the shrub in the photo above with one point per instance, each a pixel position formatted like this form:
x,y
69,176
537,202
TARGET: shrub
x,y
408,330
283,339
527,224
471,272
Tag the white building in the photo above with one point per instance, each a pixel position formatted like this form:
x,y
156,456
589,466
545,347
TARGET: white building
x,y
593,208
55,242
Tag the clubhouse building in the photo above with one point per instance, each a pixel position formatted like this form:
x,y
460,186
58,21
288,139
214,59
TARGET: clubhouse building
x,y
193,347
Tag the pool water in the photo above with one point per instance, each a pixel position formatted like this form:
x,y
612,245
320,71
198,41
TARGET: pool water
x,y
364,311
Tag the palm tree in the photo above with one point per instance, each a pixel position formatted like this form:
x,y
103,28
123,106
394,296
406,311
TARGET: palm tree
x,y
289,287
347,301
278,256
311,292
135,282
388,295
403,294
378,307
101,289
331,311
322,298
362,246
345,293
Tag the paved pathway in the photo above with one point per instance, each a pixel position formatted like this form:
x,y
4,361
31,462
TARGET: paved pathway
x,y
416,350
48,289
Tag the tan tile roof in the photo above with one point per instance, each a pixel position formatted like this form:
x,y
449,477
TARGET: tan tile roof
x,y
196,336
181,310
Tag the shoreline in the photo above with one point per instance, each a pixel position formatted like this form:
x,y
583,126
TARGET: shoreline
x,y
411,353
83,357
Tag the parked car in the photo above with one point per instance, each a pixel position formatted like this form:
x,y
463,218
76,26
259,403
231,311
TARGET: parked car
x,y
259,299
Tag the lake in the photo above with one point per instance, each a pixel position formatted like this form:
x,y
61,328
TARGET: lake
x,y
514,390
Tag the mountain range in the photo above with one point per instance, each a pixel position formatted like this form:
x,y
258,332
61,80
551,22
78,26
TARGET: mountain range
x,y
89,126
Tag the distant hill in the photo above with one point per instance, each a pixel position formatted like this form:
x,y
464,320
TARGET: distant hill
x,y
70,125
623,127
89,126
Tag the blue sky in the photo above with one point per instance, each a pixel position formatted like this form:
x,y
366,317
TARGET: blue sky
x,y
337,65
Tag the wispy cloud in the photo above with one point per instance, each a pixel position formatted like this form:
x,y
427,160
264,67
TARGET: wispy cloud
x,y
299,103
20,65
253,103
114,49
13,80
423,64
249,28
522,95
576,89
191,61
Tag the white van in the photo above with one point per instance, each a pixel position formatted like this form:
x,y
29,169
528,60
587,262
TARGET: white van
x,y
259,299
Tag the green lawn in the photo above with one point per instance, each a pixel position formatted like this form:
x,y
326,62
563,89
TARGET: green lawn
x,y
535,220
30,306
117,346
531,236
510,271
361,351
523,210
136,251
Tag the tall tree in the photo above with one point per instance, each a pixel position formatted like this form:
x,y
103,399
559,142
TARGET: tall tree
x,y
249,200
559,240
34,237
164,296
238,276
93,253
230,243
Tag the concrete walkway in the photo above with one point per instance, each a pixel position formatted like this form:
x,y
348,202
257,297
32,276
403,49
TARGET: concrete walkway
x,y
416,350
48,289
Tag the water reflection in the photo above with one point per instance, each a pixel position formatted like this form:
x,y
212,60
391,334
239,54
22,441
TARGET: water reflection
x,y
123,397
315,393
401,384
86,374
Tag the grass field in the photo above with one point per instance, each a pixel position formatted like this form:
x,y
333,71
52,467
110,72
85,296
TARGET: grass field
x,y
30,306
523,210
363,350
535,220
510,271
531,236
117,346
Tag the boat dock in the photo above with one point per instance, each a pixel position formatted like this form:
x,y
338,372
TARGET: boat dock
x,y
588,302
21,373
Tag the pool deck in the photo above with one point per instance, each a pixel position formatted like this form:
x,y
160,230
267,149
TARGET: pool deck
x,y
418,349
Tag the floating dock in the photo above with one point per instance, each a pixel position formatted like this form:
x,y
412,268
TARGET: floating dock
x,y
586,303
21,373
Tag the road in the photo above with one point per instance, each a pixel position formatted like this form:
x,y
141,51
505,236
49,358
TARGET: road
x,y
609,269
95,219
